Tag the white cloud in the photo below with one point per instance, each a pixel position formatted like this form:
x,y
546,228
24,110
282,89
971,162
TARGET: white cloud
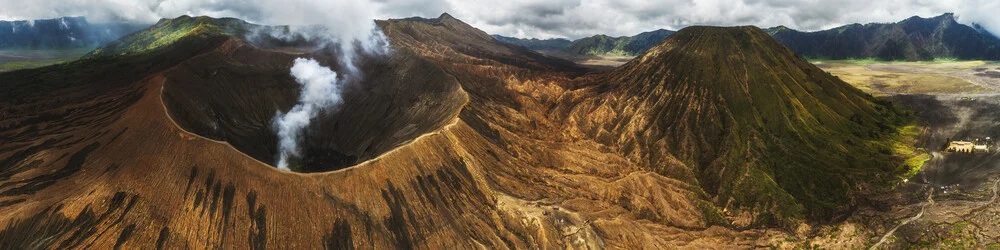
x,y
532,18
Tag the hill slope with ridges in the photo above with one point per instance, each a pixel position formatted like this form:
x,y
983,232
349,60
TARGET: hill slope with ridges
x,y
769,136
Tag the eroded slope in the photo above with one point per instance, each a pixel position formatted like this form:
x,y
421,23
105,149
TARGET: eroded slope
x,y
540,154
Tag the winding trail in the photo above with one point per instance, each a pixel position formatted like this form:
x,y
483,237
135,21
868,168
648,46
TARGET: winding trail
x,y
930,202
996,194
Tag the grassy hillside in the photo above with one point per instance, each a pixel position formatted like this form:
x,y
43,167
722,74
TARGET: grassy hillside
x,y
169,31
771,137
11,60
913,39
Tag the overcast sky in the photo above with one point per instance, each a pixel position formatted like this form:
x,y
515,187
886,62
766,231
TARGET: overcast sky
x,y
540,18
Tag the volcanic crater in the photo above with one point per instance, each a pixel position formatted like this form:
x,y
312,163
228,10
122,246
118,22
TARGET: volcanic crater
x,y
232,94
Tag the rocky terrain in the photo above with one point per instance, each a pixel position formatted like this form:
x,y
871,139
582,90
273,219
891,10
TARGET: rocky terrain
x,y
715,138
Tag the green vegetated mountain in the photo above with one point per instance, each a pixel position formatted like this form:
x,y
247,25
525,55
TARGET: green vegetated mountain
x,y
535,43
912,39
169,31
769,136
620,46
61,33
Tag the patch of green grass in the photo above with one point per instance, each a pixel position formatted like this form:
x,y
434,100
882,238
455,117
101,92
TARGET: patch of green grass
x,y
904,77
12,66
863,61
873,60
858,61
945,59
959,227
31,58
905,147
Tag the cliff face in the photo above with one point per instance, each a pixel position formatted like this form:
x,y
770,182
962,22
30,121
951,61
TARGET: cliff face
x,y
458,141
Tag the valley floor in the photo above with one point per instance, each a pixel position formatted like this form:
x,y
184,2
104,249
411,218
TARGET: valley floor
x,y
952,200
599,63
11,60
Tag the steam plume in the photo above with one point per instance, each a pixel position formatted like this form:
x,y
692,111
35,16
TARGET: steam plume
x,y
320,90
350,26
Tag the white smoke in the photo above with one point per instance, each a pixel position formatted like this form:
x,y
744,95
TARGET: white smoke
x,y
320,90
350,25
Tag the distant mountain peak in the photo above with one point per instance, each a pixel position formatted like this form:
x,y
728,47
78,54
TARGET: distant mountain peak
x,y
445,16
946,17
443,19
720,35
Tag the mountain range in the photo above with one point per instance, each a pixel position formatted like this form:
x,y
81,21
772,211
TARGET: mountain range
x,y
164,139
913,39
61,33
595,45
535,43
